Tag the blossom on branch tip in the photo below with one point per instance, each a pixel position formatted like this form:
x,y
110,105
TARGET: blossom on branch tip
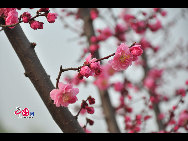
x,y
64,95
94,13
36,25
91,100
122,59
118,86
26,17
86,71
43,9
12,18
102,81
90,110
51,17
136,50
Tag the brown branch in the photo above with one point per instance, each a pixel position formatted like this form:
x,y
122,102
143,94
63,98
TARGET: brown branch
x,y
108,109
40,80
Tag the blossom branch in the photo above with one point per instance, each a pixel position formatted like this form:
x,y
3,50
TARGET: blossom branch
x,y
78,68
20,21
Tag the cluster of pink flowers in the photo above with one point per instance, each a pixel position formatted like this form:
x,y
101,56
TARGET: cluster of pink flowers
x,y
133,126
76,80
11,17
118,86
103,35
183,119
181,92
86,107
120,30
64,95
102,81
90,68
121,61
94,13
151,81
124,56
145,44
160,10
140,26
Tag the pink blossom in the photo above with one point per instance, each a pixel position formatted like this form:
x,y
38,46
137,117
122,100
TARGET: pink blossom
x,y
127,119
183,118
12,18
163,13
186,82
5,11
51,17
149,82
156,26
93,47
107,68
77,79
120,28
139,26
105,34
86,71
91,100
128,17
94,14
161,116
43,9
102,81
147,117
90,110
181,91
64,95
26,17
83,111
118,86
94,39
136,50
36,25
145,43
122,59
156,9
94,66
88,59
156,73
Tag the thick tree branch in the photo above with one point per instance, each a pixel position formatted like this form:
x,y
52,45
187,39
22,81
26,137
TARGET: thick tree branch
x,y
108,109
41,81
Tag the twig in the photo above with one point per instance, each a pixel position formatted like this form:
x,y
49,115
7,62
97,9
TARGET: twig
x,y
78,68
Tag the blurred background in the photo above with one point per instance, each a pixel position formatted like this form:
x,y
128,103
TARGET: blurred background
x,y
57,45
